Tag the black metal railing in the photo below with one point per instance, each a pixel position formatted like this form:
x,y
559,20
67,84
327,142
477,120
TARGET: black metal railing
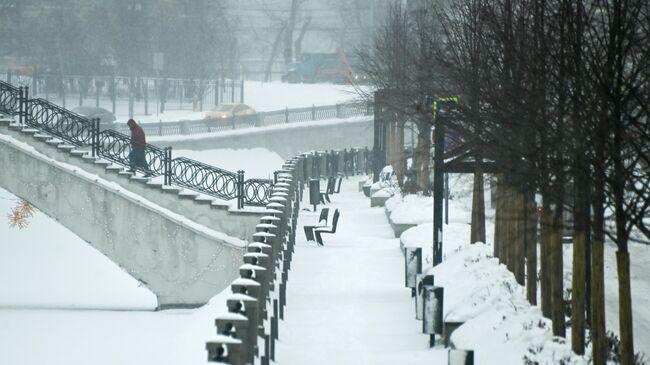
x,y
116,147
59,122
204,178
9,99
257,191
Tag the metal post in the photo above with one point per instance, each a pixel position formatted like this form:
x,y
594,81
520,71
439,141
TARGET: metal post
x,y
286,115
95,137
168,166
21,106
240,189
438,186
447,199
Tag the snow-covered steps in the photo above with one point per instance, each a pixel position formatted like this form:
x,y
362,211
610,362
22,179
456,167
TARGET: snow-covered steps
x,y
211,212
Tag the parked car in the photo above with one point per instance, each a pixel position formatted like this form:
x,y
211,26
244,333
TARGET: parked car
x,y
230,110
106,118
241,112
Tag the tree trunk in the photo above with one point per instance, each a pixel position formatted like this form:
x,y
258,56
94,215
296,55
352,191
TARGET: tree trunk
x,y
545,262
498,220
578,294
423,148
557,276
599,341
625,307
579,272
518,233
531,248
478,208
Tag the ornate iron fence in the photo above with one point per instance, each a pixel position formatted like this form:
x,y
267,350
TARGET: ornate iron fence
x,y
204,178
59,122
115,147
257,191
9,99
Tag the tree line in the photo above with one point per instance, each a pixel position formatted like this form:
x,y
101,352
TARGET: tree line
x,y
193,39
555,95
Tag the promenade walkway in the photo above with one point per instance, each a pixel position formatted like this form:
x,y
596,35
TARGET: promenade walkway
x,y
346,301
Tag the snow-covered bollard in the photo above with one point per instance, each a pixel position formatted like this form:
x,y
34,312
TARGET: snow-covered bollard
x,y
412,266
432,319
422,281
460,357
249,307
224,349
238,326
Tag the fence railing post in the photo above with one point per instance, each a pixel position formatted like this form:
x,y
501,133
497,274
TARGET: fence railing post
x,y
241,97
240,189
313,112
95,137
286,115
168,166
338,110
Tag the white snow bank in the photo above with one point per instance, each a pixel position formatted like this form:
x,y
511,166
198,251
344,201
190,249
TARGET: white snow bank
x,y
414,209
500,325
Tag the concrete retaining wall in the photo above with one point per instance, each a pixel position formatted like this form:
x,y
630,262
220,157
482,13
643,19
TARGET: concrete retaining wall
x,y
286,142
178,260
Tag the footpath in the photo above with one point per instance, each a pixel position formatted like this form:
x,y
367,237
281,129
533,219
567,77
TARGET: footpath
x,y
346,301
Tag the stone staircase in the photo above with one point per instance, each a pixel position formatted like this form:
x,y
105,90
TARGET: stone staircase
x,y
213,213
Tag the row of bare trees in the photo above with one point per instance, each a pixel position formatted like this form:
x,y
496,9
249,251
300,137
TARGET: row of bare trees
x,y
90,37
555,93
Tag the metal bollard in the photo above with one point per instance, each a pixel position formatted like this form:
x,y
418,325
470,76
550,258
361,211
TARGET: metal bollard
x,y
422,281
412,266
460,357
432,318
224,349
237,326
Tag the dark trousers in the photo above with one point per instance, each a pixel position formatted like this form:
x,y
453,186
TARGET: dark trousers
x,y
137,159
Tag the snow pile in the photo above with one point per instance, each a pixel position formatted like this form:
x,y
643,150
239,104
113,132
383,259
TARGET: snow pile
x,y
500,325
413,209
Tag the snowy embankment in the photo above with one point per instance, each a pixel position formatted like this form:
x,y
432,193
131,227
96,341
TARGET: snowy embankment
x,y
523,327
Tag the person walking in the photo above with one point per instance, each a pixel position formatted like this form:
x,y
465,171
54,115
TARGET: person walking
x,y
138,143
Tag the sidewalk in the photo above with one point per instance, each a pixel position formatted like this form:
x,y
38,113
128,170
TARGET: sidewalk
x,y
346,301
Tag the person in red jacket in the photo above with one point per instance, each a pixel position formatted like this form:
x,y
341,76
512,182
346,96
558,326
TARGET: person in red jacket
x,y
138,143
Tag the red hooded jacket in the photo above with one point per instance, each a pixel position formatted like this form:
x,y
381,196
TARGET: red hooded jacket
x,y
137,134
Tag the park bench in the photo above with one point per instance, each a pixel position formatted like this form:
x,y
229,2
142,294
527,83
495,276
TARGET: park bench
x,y
327,229
333,187
329,189
322,222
